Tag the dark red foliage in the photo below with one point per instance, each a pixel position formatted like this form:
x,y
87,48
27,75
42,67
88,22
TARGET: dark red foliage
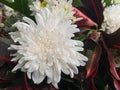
x,y
102,56
85,21
95,57
114,73
112,40
94,10
94,64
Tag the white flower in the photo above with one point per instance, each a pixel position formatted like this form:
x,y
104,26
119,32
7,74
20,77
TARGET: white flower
x,y
56,5
115,1
112,18
45,48
111,1
66,5
9,11
103,3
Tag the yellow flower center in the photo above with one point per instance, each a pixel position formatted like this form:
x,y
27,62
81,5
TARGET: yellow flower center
x,y
105,19
66,7
44,3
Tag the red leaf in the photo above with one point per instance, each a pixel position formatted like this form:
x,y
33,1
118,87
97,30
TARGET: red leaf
x,y
112,40
96,56
117,84
93,9
118,71
85,22
111,61
6,59
26,82
116,46
113,70
93,68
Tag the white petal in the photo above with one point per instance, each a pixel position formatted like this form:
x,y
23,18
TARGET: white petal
x,y
14,47
57,72
29,75
71,73
30,21
78,49
37,78
49,72
82,57
55,85
81,63
15,54
74,68
15,36
18,66
23,27
65,70
16,58
27,65
39,20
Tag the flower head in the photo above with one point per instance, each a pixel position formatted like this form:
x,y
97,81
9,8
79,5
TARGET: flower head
x,y
112,18
115,1
111,1
9,11
45,48
55,5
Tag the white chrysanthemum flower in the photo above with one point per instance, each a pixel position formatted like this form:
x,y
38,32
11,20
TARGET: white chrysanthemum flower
x,y
46,49
66,5
56,5
9,11
37,5
115,1
112,18
111,1
103,2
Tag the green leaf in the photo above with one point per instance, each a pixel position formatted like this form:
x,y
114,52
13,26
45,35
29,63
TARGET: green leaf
x,y
108,2
77,3
84,37
21,6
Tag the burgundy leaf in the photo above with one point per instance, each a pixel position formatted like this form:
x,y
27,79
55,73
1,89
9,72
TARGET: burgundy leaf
x,y
113,70
116,46
118,71
85,22
93,68
26,82
111,61
92,81
112,40
6,59
96,55
4,79
94,10
117,84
